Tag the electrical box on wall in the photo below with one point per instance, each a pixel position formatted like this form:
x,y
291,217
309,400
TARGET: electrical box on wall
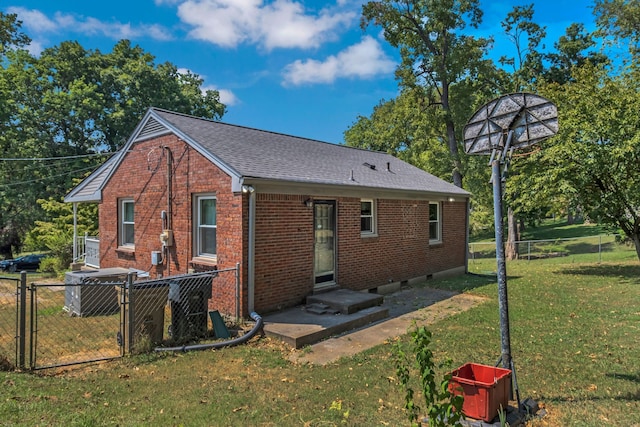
x,y
166,238
156,257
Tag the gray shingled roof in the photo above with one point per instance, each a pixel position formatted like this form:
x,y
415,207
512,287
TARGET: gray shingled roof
x,y
90,190
261,154
252,154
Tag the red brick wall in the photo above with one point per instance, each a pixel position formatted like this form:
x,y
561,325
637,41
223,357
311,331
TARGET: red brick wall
x,y
401,249
284,246
283,251
284,232
142,175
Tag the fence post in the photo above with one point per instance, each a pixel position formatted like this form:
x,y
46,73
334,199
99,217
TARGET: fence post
x,y
600,249
130,313
22,321
237,292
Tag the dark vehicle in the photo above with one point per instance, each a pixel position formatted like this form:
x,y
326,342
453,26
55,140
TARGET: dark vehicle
x,y
27,262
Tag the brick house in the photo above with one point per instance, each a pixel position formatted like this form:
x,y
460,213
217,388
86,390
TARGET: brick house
x,y
299,216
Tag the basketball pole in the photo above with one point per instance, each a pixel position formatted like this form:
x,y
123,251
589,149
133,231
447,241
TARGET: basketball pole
x,y
503,304
527,119
499,159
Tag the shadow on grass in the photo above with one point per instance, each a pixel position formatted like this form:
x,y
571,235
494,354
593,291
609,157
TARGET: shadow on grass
x,y
628,377
626,397
464,282
627,271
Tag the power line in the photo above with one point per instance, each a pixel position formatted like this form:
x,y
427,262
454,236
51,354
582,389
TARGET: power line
x,y
46,177
34,159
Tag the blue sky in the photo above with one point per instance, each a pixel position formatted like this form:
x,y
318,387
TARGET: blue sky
x,y
298,67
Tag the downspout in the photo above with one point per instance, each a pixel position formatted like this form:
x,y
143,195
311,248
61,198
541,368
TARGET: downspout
x,y
466,243
167,254
251,273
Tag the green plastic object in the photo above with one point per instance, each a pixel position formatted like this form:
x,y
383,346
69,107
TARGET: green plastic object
x,y
219,328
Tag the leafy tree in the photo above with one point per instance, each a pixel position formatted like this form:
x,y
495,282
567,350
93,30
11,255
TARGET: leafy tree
x,y
526,67
574,49
619,20
597,150
56,235
527,197
435,54
526,36
10,34
399,128
11,38
74,103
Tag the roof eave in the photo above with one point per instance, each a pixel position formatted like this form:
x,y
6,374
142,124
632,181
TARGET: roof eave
x,y
262,185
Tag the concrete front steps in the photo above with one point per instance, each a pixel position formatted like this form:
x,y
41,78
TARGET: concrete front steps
x,y
326,314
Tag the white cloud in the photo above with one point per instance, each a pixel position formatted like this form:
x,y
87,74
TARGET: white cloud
x,y
363,60
279,24
227,97
34,19
35,48
38,23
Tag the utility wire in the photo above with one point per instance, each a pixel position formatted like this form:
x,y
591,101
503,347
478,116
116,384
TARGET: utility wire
x,y
34,159
46,177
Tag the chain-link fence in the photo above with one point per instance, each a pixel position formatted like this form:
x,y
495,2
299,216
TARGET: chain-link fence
x,y
74,323
101,314
593,249
9,300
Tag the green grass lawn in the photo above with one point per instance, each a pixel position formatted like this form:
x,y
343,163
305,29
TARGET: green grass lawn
x,y
574,334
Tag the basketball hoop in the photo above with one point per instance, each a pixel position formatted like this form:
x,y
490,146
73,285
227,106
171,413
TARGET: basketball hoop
x,y
510,122
531,117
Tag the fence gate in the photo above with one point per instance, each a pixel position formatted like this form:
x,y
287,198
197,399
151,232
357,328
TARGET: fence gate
x,y
44,325
9,323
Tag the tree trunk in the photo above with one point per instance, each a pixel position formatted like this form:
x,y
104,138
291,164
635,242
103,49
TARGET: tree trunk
x,y
570,218
636,242
513,235
451,136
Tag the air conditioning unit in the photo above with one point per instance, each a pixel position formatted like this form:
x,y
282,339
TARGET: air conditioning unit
x,y
93,292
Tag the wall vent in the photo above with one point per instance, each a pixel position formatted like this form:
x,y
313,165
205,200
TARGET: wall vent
x,y
152,129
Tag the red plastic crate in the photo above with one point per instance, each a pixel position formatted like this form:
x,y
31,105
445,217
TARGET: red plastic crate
x,y
485,389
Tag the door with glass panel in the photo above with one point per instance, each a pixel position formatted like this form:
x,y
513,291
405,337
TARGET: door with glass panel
x,y
324,221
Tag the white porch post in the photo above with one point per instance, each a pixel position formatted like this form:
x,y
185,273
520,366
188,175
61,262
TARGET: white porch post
x,y
75,231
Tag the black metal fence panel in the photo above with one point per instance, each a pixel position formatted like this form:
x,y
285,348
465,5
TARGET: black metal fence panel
x,y
75,323
102,317
9,322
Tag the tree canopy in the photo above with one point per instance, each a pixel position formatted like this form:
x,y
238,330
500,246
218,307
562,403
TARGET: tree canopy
x,y
63,108
590,166
435,52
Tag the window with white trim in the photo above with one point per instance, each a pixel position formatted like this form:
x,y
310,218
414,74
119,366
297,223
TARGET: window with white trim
x,y
206,226
127,223
435,223
367,217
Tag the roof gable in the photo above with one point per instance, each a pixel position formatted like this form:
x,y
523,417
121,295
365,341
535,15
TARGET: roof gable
x,y
251,155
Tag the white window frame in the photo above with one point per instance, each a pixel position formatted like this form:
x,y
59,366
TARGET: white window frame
x,y
197,226
437,221
374,218
124,225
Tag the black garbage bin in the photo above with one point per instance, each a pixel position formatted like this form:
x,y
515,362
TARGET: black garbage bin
x,y
142,311
189,300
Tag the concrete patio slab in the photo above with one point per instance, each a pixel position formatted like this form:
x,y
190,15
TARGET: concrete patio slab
x,y
421,305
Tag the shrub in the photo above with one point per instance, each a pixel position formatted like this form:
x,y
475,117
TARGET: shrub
x,y
442,406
